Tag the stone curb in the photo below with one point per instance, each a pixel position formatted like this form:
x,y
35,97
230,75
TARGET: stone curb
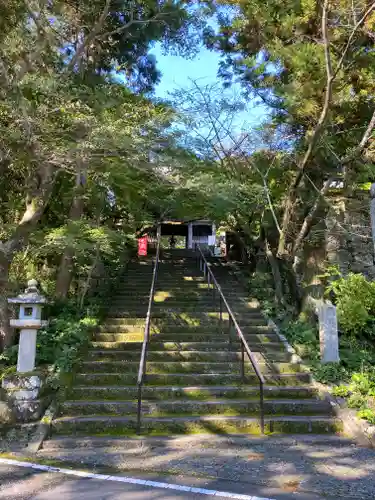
x,y
360,430
43,429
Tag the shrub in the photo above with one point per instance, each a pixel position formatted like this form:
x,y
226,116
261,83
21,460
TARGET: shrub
x,y
357,401
330,373
368,415
355,301
9,356
363,382
61,343
304,336
342,391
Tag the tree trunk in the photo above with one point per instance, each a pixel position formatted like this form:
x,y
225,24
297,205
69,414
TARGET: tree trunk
x,y
279,295
5,330
66,269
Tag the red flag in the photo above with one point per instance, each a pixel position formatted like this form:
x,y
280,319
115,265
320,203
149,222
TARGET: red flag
x,y
142,245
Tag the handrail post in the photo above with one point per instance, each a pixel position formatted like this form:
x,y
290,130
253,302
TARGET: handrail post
x,y
221,311
139,409
242,362
261,386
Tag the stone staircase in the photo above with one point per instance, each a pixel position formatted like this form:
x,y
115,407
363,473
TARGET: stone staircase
x,y
193,382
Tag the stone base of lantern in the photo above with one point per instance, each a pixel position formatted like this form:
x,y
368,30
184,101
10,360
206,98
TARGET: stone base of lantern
x,y
23,393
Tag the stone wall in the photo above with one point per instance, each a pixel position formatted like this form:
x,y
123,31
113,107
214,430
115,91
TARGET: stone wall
x,y
348,238
341,237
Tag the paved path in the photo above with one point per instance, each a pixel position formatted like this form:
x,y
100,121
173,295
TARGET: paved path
x,y
318,465
20,483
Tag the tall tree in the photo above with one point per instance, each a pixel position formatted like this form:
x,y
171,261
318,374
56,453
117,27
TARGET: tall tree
x,y
58,100
313,64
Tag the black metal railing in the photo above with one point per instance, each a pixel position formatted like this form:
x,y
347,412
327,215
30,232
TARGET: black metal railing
x,y
146,339
245,349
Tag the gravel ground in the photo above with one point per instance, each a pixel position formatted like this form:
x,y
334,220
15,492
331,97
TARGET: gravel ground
x,y
328,468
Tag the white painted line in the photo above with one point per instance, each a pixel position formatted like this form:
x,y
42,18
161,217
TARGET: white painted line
x,y
203,491
179,487
131,480
225,494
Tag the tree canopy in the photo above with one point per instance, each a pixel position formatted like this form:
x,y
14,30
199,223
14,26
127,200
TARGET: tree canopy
x,y
89,158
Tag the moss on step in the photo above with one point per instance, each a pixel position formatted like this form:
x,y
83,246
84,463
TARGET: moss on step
x,y
160,368
202,394
195,408
189,379
192,356
111,427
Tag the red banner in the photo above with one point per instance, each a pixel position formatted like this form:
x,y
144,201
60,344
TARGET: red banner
x,y
142,246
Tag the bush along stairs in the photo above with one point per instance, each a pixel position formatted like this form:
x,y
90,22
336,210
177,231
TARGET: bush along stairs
x,y
193,382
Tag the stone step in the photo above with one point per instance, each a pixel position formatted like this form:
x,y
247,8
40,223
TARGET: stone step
x,y
170,367
197,393
128,320
193,408
179,317
184,379
160,329
154,345
105,425
184,337
178,443
113,328
165,356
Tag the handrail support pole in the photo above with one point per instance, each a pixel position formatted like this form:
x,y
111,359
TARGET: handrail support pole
x,y
261,387
242,362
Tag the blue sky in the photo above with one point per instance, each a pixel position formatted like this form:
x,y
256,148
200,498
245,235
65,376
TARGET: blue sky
x,y
177,71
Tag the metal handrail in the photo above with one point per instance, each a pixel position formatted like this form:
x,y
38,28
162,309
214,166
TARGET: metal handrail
x,y
232,320
146,339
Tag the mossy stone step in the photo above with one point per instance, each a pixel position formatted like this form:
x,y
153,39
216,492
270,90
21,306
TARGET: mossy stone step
x,y
184,337
184,379
114,328
166,367
271,347
119,337
197,393
181,329
124,426
166,356
249,407
129,320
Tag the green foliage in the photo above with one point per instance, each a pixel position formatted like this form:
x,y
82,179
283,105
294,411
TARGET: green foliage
x,y
342,391
355,302
367,414
301,332
260,285
360,393
9,356
6,370
357,401
61,343
330,373
356,356
363,382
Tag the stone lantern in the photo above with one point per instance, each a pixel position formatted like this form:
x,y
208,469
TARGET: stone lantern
x,y
29,321
23,388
